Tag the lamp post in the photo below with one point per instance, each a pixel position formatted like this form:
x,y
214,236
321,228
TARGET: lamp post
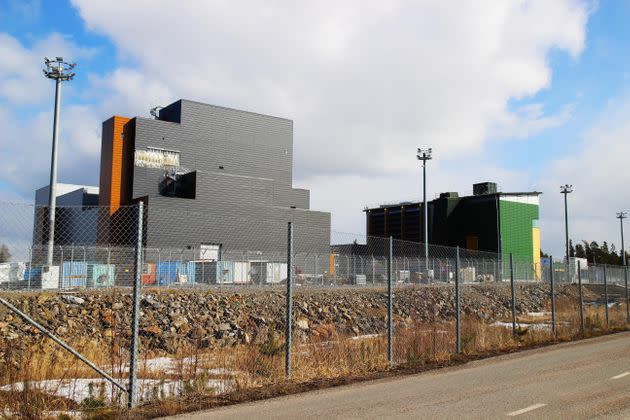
x,y
622,215
566,189
59,71
425,154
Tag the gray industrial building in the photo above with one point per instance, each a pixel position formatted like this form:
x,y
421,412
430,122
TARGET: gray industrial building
x,y
209,176
76,215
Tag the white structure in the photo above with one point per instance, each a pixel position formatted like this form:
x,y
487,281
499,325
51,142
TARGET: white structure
x,y
77,215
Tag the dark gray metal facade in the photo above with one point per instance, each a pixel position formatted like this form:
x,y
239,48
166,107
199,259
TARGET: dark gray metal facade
x,y
243,193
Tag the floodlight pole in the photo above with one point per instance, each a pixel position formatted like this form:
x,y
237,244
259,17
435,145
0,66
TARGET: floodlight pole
x,y
622,215
60,71
424,155
566,189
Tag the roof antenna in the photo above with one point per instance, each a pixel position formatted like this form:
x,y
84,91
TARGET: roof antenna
x,y
155,112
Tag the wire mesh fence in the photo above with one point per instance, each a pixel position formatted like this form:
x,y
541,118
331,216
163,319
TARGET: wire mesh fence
x,y
212,312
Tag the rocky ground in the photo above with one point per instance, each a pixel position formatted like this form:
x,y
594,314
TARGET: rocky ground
x,y
206,318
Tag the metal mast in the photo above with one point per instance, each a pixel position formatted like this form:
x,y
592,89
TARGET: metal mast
x,y
60,71
425,154
622,215
566,189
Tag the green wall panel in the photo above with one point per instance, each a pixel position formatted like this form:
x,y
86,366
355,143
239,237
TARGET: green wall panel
x,y
516,221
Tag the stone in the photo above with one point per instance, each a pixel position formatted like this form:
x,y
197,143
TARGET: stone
x,y
152,329
73,299
302,324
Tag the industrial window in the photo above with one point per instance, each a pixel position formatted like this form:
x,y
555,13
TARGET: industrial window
x,y
154,157
179,184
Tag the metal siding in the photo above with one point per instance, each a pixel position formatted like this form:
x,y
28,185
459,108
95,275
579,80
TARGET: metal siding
x,y
244,206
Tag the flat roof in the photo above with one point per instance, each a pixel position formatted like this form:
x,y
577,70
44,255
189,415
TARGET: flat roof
x,y
417,203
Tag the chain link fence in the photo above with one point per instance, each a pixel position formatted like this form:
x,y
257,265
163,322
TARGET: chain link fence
x,y
212,315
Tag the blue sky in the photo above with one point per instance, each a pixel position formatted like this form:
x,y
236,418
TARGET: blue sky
x,y
523,93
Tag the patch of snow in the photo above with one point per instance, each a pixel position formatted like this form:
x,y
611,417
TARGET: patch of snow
x,y
81,388
365,337
535,327
537,314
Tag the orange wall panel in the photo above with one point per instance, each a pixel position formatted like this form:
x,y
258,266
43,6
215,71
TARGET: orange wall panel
x,y
112,163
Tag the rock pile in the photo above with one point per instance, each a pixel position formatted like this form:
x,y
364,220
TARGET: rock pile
x,y
207,318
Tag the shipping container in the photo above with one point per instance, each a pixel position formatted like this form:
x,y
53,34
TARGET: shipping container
x,y
241,272
12,272
263,272
102,275
74,274
148,273
214,272
175,272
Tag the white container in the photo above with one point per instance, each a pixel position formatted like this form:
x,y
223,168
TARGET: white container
x,y
360,279
50,277
467,274
241,272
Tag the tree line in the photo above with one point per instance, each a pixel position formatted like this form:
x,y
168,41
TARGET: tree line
x,y
595,253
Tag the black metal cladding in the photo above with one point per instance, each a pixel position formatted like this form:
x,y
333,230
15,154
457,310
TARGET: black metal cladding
x,y
453,221
243,193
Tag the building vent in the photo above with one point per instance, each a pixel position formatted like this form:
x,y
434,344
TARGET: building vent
x,y
483,188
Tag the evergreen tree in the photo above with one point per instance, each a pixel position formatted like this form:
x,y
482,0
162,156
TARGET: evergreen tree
x,y
5,255
579,251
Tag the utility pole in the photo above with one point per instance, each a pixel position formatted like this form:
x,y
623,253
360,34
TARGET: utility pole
x,y
566,189
622,215
59,71
425,154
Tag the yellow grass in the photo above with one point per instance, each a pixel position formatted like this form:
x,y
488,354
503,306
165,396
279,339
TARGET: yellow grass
x,y
329,355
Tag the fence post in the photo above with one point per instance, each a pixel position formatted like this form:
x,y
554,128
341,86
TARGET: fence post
x,y
289,318
581,297
606,294
135,313
30,268
458,342
513,294
625,278
390,302
553,296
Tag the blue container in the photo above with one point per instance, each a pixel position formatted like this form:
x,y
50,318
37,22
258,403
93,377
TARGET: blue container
x,y
74,274
214,272
31,274
173,272
166,273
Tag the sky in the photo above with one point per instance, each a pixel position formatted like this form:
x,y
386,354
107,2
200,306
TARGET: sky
x,y
528,94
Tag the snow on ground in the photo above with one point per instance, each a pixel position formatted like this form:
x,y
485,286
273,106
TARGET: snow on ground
x,y
537,314
536,327
173,366
78,389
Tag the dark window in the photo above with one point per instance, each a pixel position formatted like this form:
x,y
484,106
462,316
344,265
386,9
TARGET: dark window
x,y
180,185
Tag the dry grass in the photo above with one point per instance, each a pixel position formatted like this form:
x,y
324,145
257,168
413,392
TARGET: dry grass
x,y
257,370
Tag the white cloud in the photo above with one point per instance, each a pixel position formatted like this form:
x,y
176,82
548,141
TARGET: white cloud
x,y
366,82
21,79
596,167
359,78
530,120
